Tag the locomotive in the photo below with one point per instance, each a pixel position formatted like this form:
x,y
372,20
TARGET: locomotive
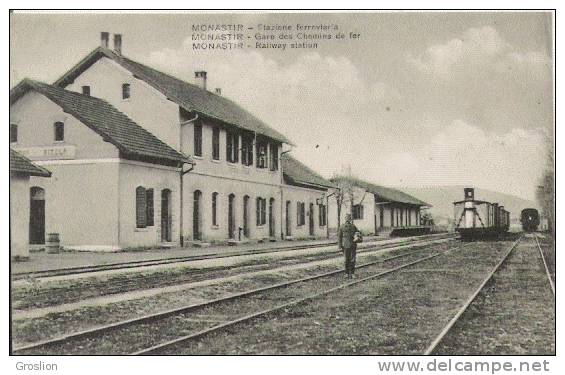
x,y
529,218
476,219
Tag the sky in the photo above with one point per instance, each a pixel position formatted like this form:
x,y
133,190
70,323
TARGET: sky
x,y
419,99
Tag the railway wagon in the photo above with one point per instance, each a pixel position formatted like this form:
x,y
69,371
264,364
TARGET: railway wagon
x,y
479,219
529,217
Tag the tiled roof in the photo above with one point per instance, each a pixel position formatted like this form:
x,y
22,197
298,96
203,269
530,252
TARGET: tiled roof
x,y
114,126
294,172
21,164
186,95
383,193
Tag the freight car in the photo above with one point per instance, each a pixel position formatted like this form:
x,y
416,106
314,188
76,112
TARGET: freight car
x,y
530,219
476,219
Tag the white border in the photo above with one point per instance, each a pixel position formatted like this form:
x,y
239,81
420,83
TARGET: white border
x,y
248,365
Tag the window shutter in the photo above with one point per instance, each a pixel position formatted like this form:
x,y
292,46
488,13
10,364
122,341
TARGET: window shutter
x,y
13,133
198,139
216,143
274,159
298,213
257,211
264,211
243,152
150,210
229,147
140,207
214,208
250,152
235,148
59,131
125,91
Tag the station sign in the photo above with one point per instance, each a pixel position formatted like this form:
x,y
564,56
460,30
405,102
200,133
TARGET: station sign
x,y
48,152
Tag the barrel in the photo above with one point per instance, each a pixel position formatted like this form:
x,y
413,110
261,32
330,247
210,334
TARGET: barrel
x,y
52,245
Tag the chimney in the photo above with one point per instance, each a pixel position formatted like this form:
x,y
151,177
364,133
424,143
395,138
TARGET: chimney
x,y
218,91
200,78
118,43
104,39
469,194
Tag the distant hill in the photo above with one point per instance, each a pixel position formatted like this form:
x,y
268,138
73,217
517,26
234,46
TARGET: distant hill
x,y
442,198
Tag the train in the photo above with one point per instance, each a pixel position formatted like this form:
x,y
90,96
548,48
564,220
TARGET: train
x,y
529,217
477,219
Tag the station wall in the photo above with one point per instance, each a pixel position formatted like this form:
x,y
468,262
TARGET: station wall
x,y
145,106
19,216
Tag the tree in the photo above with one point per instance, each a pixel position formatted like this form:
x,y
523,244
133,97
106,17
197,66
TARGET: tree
x,y
546,187
345,192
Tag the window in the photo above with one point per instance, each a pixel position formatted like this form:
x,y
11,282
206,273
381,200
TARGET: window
x,y
59,129
261,211
232,147
247,151
357,212
261,154
13,133
86,90
140,207
214,209
216,143
144,207
126,93
300,213
381,216
322,215
198,139
274,157
149,221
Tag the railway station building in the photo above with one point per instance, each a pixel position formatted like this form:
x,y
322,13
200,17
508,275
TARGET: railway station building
x,y
377,209
305,200
143,159
109,175
23,199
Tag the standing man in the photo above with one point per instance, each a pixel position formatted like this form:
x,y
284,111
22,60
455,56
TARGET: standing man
x,y
348,237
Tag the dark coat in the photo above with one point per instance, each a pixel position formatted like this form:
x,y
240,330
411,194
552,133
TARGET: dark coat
x,y
345,236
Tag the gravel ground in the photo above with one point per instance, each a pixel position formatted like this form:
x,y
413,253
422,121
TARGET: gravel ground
x,y
55,324
38,293
399,314
515,314
547,244
138,337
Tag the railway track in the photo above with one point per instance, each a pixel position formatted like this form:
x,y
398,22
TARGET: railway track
x,y
446,331
43,298
548,273
183,259
155,324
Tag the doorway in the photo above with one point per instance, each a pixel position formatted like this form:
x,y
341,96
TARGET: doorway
x,y
246,216
288,219
37,216
166,217
196,216
271,217
231,216
381,216
311,219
